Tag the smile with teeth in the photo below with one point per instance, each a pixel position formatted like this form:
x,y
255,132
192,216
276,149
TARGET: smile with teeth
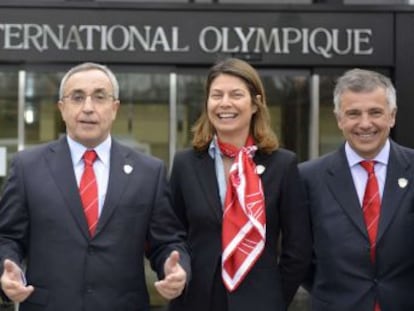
x,y
227,115
366,135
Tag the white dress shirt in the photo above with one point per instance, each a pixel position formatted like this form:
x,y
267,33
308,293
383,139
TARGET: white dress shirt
x,y
360,175
100,166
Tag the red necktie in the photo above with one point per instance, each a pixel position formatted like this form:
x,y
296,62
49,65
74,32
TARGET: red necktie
x,y
371,209
89,191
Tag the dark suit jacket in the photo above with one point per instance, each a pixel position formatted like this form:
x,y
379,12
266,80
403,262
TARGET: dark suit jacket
x,y
344,279
42,220
270,285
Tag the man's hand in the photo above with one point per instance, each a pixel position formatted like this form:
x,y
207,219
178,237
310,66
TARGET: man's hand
x,y
175,278
12,282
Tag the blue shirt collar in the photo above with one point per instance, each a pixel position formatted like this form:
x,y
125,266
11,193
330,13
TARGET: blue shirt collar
x,y
103,150
354,158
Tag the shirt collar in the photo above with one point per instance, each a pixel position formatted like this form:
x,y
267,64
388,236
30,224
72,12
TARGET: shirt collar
x,y
102,150
212,148
354,158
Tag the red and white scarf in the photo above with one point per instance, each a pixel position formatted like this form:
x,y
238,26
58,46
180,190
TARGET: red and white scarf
x,y
244,218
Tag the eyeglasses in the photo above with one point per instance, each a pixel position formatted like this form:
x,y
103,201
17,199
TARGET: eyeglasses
x,y
98,97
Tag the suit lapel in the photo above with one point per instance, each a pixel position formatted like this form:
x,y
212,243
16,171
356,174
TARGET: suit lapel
x,y
117,182
206,175
262,159
340,183
60,163
397,171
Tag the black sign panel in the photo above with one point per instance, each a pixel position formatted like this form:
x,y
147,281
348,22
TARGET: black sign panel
x,y
196,37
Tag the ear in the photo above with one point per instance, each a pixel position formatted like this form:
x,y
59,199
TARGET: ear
x,y
338,119
256,103
115,108
393,114
61,106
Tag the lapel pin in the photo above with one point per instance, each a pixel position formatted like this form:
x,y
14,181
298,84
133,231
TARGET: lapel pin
x,y
402,182
260,169
128,169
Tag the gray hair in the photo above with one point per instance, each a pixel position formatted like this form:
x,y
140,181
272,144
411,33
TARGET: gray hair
x,y
359,81
86,67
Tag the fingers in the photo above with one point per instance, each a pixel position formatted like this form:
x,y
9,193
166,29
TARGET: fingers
x,y
11,269
12,282
17,292
169,289
175,278
171,262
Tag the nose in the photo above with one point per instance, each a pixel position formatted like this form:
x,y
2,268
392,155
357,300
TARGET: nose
x,y
365,120
225,101
88,104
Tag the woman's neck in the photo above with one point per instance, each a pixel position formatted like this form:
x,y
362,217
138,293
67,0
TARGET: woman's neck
x,y
237,141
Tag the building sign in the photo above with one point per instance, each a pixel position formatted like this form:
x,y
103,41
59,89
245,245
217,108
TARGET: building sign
x,y
195,36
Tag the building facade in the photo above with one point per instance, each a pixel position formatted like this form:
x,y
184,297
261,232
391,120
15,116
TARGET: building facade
x,y
160,51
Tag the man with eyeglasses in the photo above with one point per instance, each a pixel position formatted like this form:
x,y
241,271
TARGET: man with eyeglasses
x,y
82,225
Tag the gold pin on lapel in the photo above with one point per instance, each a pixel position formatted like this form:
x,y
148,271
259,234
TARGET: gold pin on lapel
x,y
402,182
128,169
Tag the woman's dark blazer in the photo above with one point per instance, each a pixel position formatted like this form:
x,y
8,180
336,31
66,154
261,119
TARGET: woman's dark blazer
x,y
273,281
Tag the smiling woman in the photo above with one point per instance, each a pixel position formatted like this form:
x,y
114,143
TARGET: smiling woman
x,y
229,108
243,190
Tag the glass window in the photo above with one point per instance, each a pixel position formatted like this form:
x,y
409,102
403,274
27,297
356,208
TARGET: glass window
x,y
330,137
190,95
143,117
288,100
8,114
42,121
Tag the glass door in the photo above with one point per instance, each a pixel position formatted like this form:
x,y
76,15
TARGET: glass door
x,y
8,118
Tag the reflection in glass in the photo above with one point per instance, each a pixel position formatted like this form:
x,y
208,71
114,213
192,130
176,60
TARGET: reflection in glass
x,y
8,107
190,96
8,114
143,117
330,137
288,101
41,115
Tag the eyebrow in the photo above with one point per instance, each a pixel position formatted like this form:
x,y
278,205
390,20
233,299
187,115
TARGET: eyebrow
x,y
83,91
232,90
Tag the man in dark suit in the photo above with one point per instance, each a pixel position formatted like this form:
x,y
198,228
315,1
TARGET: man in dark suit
x,y
363,250
75,263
